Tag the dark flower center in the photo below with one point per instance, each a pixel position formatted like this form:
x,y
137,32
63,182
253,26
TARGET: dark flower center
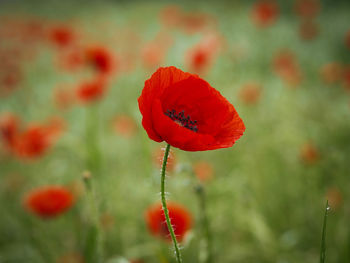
x,y
182,120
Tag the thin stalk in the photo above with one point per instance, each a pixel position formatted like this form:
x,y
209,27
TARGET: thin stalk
x,y
94,240
205,255
323,242
165,209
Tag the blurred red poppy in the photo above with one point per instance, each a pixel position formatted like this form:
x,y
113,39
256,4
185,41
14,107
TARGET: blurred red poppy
x,y
201,57
265,13
307,8
287,67
171,16
250,93
308,30
309,153
63,97
186,112
125,126
49,201
61,35
346,78
331,72
91,91
71,257
203,170
100,58
334,197
180,217
33,141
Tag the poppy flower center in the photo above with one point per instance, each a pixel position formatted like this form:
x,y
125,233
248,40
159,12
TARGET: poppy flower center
x,y
182,120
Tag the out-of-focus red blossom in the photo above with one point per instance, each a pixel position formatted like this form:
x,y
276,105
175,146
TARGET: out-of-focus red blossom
x,y
61,35
286,66
189,22
154,52
9,125
125,126
309,153
157,157
334,197
72,257
10,78
265,13
136,261
64,97
186,112
203,170
201,56
346,78
91,91
34,140
347,39
180,217
308,30
101,59
171,16
49,201
250,93
71,59
331,72
196,22
307,8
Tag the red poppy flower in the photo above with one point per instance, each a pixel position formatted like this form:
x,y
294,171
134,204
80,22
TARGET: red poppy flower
x,y
307,8
171,16
32,142
180,217
8,128
62,36
250,93
202,55
331,72
203,170
125,126
265,13
287,67
308,30
346,77
91,91
334,197
100,58
49,201
309,153
186,112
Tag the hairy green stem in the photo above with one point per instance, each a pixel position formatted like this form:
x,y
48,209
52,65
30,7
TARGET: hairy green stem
x,y
165,209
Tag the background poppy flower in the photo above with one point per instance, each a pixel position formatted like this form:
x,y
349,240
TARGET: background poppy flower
x,y
331,72
347,39
250,93
204,171
100,58
181,220
91,91
49,201
265,13
62,36
186,112
307,8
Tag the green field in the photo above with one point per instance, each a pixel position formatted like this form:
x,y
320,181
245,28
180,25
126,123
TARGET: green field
x,y
267,195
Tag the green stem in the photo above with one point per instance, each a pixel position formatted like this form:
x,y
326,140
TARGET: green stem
x,y
323,242
206,249
94,240
165,209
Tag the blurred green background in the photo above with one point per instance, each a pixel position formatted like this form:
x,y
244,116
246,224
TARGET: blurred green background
x,y
267,194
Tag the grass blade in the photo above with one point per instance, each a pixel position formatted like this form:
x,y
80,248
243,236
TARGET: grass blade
x,y
323,242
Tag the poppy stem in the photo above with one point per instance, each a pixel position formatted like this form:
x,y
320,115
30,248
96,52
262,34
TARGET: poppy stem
x,y
206,248
94,241
165,209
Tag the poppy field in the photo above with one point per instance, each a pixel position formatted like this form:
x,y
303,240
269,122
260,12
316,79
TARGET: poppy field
x,y
158,131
